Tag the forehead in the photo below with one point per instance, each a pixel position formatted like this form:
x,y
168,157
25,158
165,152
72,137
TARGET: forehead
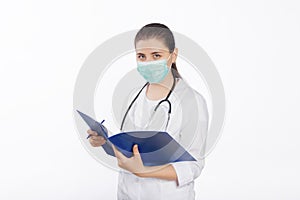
x,y
151,45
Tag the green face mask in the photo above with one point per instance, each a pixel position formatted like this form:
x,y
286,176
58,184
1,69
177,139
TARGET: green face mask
x,y
153,71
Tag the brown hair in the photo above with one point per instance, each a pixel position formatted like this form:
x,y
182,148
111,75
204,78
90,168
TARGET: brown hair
x,y
159,31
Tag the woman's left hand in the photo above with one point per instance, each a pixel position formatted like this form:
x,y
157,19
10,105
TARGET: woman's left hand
x,y
133,164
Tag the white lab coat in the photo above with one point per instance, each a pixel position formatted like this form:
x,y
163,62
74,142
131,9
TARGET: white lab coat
x,y
132,187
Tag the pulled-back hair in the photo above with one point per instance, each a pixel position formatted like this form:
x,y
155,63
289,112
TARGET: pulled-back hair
x,y
161,32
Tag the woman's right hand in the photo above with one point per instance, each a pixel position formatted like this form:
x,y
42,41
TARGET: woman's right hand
x,y
95,139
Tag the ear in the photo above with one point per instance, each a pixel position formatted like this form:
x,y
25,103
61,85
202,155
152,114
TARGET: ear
x,y
174,56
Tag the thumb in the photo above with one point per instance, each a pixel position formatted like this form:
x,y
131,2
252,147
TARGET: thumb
x,y
135,150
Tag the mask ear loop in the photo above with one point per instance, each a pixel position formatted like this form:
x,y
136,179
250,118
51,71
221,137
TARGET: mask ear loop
x,y
168,59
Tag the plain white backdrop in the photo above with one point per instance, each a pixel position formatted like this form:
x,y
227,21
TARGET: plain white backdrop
x,y
254,45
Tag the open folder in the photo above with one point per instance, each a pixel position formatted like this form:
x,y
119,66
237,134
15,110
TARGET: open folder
x,y
155,147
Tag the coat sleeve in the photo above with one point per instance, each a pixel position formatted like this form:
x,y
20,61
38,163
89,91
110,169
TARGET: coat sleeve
x,y
192,137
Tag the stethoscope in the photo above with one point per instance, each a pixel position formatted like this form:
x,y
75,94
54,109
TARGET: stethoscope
x,y
164,100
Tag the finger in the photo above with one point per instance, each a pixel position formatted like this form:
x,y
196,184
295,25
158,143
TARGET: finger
x,y
94,142
91,132
118,153
97,144
102,138
97,138
94,133
136,150
114,149
93,138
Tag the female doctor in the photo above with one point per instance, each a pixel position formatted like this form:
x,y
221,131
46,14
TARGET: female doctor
x,y
185,119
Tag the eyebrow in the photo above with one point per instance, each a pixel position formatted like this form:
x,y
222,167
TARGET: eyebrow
x,y
155,52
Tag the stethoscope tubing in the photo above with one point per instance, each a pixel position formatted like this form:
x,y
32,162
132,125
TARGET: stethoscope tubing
x,y
166,99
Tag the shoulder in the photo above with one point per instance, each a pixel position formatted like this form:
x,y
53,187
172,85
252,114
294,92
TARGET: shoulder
x,y
134,91
131,97
188,94
200,98
192,101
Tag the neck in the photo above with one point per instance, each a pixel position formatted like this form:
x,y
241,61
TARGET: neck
x,y
160,90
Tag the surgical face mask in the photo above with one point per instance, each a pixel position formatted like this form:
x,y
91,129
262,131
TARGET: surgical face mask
x,y
153,71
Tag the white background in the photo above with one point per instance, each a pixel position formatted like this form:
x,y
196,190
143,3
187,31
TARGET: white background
x,y
254,45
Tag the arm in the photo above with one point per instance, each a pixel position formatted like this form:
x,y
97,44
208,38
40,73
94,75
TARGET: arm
x,y
193,138
187,171
135,165
166,172
184,172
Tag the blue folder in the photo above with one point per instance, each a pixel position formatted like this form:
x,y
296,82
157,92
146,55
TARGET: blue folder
x,y
155,147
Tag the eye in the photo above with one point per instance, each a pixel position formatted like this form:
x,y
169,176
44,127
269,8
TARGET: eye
x,y
156,56
141,57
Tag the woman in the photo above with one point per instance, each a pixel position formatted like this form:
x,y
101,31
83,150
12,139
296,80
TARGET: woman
x,y
187,122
